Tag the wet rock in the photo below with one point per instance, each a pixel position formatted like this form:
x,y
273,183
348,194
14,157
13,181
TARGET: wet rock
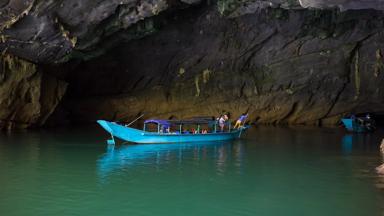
x,y
344,4
289,67
57,31
282,63
191,1
27,96
12,11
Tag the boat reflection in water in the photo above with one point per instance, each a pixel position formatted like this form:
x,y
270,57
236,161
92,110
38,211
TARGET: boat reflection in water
x,y
362,142
118,159
347,144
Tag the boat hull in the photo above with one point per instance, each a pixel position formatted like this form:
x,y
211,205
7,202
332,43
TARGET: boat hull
x,y
139,136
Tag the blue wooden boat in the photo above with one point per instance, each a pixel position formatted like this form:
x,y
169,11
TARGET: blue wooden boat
x,y
358,125
161,135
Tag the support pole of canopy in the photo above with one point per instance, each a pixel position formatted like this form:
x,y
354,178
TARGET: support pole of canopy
x,y
180,128
158,128
215,127
198,128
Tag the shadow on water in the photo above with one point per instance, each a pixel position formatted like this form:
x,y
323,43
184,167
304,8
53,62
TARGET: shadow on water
x,y
123,157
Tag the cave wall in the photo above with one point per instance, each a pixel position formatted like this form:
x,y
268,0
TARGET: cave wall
x,y
283,66
27,96
54,31
285,61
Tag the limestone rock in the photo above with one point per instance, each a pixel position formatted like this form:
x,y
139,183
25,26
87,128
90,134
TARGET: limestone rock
x,y
380,169
289,67
344,4
54,31
27,97
281,62
191,1
13,10
57,31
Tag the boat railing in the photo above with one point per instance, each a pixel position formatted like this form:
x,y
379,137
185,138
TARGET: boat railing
x,y
211,125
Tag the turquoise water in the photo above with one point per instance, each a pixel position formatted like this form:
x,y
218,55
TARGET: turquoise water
x,y
272,171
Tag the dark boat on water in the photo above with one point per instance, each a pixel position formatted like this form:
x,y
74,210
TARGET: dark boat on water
x,y
359,124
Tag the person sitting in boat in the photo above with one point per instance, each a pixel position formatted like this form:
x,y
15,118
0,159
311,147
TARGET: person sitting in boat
x,y
241,120
165,129
222,121
370,123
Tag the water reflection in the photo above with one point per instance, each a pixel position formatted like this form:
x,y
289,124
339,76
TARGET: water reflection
x,y
119,158
347,144
362,142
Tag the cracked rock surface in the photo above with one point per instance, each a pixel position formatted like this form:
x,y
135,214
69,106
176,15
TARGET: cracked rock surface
x,y
54,31
51,31
27,96
286,61
294,67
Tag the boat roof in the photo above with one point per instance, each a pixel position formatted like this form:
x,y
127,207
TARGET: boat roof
x,y
157,121
178,122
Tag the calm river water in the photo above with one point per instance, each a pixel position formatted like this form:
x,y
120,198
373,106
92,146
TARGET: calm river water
x,y
272,171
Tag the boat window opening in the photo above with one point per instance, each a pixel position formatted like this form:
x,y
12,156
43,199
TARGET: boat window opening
x,y
184,126
151,128
174,129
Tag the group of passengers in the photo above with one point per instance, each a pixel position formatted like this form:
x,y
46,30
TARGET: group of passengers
x,y
239,122
221,120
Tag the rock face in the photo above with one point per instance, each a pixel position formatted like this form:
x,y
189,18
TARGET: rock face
x,y
344,4
53,31
295,67
279,61
28,97
380,169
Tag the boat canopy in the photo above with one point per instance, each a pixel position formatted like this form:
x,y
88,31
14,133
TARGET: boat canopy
x,y
179,122
157,121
